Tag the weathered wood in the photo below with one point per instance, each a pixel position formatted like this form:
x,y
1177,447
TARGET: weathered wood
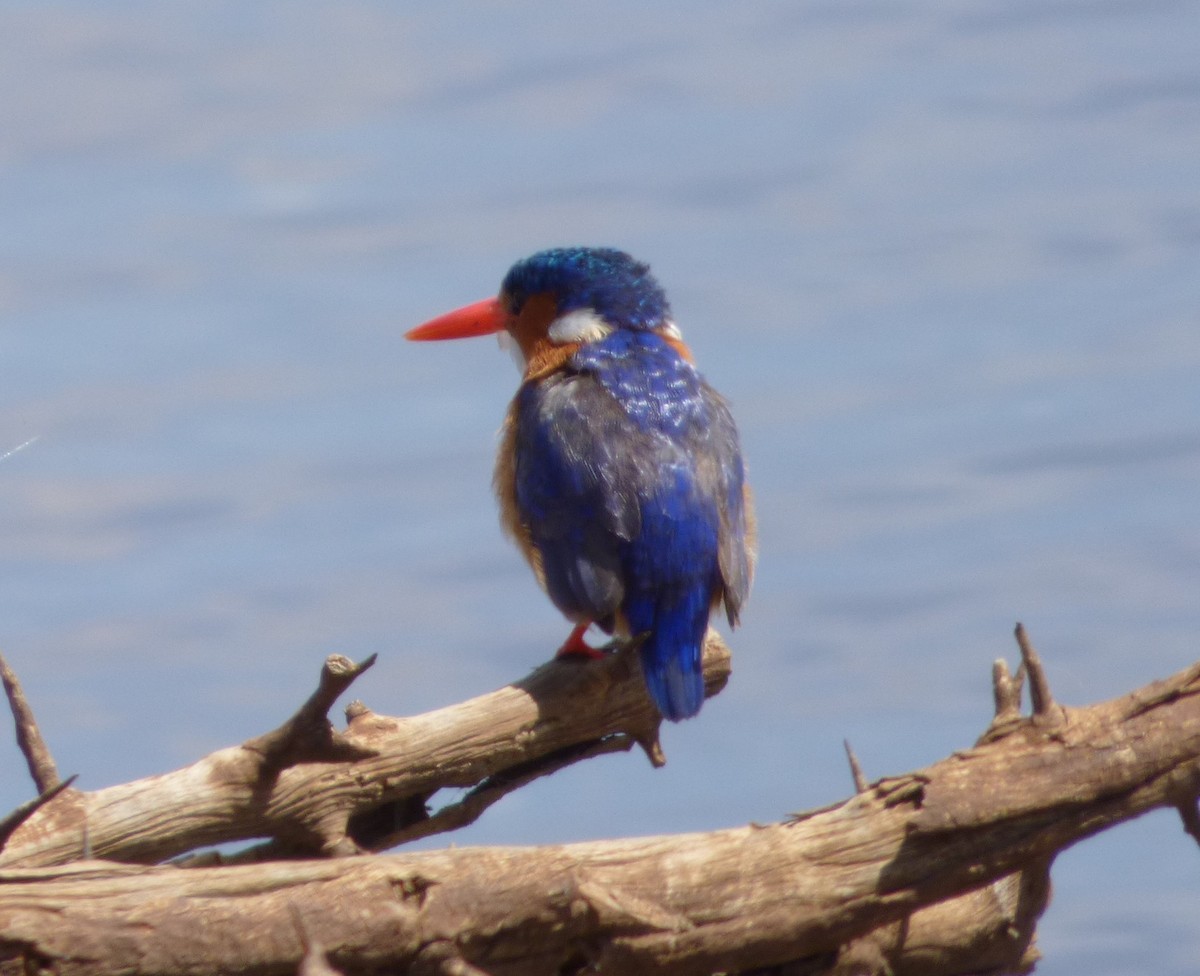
x,y
853,887
29,737
368,789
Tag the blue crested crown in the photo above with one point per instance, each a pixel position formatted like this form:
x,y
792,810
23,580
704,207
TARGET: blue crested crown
x,y
618,288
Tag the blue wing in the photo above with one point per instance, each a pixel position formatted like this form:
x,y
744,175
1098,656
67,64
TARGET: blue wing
x,y
629,483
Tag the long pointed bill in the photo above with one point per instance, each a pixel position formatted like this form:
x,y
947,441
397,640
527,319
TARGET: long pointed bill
x,y
480,318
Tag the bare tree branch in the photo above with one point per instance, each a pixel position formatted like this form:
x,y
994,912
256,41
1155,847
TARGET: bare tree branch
x,y
939,871
312,790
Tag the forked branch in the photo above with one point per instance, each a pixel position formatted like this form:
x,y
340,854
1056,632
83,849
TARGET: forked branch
x,y
314,790
940,871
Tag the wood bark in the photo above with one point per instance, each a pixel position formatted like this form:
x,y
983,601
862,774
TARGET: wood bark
x,y
313,790
942,870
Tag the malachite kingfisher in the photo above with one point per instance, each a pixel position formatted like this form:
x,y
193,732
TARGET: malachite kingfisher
x,y
619,473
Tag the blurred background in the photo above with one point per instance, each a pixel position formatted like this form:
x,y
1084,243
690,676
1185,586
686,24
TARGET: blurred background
x,y
941,256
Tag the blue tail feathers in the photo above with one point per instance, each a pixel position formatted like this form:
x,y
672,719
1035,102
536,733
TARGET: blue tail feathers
x,y
671,650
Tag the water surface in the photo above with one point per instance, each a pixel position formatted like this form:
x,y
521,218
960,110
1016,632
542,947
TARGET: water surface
x,y
942,257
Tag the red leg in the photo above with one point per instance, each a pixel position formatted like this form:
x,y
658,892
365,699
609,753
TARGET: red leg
x,y
576,646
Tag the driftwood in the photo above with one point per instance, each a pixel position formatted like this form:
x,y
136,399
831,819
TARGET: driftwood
x,y
315,791
944,870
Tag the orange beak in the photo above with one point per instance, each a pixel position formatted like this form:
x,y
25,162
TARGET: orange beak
x,y
479,318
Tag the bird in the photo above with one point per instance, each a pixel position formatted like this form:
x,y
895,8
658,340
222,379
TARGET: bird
x,y
619,472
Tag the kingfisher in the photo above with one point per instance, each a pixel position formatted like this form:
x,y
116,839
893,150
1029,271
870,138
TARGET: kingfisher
x,y
619,473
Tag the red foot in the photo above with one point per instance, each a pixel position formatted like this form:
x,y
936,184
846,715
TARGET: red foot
x,y
576,646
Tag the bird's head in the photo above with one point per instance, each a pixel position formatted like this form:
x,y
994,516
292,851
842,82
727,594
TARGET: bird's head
x,y
557,300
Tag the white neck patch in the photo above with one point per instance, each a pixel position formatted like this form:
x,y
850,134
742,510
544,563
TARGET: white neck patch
x,y
513,348
581,325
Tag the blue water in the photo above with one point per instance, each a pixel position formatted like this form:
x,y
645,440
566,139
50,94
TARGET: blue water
x,y
942,257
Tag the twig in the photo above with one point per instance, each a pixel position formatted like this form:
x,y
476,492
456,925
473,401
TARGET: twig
x,y
29,737
308,735
860,781
1006,690
1041,701
1006,695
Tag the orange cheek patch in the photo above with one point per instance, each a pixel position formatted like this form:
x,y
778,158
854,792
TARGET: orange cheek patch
x,y
530,326
530,329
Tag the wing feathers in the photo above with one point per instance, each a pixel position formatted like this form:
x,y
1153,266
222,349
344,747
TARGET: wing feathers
x,y
627,492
